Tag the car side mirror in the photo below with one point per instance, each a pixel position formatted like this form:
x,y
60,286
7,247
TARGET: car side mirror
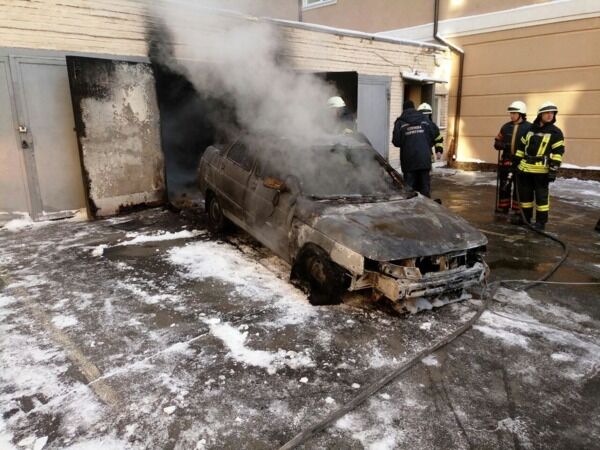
x,y
274,183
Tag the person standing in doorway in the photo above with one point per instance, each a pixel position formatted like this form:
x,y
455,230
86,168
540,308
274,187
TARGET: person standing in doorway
x,y
414,135
537,160
506,143
425,108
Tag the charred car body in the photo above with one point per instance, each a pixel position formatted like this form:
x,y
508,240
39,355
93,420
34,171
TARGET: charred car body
x,y
341,216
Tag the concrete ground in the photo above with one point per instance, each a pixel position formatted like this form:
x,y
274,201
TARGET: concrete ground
x,y
144,332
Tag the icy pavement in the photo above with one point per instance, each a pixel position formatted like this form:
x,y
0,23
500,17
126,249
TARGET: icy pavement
x,y
144,332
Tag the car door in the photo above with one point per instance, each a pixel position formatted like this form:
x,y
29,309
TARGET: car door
x,y
235,171
269,210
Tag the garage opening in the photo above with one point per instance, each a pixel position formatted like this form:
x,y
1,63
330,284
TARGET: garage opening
x,y
190,121
367,99
418,92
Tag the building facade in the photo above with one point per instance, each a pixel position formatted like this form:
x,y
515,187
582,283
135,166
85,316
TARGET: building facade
x,y
79,116
514,50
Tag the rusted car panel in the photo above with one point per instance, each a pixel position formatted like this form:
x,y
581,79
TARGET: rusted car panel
x,y
394,241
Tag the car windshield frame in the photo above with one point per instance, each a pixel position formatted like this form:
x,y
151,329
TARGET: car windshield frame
x,y
303,165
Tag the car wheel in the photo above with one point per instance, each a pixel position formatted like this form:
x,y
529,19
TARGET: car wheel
x,y
216,220
325,281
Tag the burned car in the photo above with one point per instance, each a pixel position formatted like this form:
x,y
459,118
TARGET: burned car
x,y
342,217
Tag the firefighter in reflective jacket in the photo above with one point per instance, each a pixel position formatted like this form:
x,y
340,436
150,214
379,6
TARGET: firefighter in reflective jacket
x,y
506,143
438,146
537,160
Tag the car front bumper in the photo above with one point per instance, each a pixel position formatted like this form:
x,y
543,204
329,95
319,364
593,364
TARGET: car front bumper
x,y
428,285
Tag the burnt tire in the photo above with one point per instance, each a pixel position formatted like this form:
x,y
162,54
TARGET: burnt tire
x,y
324,281
217,222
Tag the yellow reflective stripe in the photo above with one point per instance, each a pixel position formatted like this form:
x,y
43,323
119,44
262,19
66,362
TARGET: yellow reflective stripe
x,y
557,144
520,153
556,157
544,144
532,168
440,145
542,208
526,205
439,138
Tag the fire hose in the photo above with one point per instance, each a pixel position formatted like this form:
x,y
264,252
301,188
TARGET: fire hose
x,y
487,295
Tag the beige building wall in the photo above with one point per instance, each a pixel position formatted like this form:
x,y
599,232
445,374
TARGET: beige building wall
x,y
558,62
373,16
509,57
117,27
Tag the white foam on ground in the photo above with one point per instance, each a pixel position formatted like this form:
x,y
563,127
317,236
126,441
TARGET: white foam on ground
x,y
201,260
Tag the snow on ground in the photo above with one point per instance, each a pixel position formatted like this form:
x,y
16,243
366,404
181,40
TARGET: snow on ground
x,y
220,261
526,331
137,238
235,341
581,192
574,190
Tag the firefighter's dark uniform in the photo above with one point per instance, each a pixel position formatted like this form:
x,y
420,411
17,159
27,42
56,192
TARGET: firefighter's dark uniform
x,y
414,135
537,160
507,142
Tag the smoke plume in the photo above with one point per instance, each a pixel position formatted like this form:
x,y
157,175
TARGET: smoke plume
x,y
242,61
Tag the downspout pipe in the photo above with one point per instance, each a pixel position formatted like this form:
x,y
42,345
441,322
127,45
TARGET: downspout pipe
x,y
461,61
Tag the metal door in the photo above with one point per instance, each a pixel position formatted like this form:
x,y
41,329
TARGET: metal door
x,y
373,112
14,195
47,136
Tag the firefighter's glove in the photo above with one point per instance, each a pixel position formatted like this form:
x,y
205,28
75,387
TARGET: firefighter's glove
x,y
551,175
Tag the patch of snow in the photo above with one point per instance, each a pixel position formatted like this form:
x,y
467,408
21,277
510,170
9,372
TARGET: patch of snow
x,y
17,225
170,409
104,443
355,385
576,191
329,401
561,356
64,321
425,326
524,329
517,427
40,443
146,297
201,260
383,436
99,250
160,236
430,361
235,341
505,336
304,380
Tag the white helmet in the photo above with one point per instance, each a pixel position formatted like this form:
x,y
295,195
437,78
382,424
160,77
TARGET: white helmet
x,y
518,107
336,102
425,108
547,107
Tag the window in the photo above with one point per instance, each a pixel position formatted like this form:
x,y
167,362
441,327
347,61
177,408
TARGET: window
x,y
241,155
308,4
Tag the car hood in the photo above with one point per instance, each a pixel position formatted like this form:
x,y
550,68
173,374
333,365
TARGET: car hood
x,y
392,230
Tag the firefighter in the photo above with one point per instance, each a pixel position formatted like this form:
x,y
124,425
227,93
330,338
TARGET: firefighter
x,y
344,119
425,108
414,135
537,160
506,143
